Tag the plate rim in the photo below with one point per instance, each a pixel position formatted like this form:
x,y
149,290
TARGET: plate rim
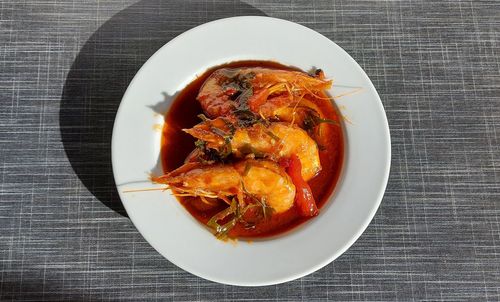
x,y
360,229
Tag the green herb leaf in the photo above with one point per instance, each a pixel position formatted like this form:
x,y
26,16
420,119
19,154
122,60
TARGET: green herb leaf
x,y
225,150
203,117
242,99
246,149
313,119
327,121
245,117
218,131
200,144
248,166
272,135
229,125
221,231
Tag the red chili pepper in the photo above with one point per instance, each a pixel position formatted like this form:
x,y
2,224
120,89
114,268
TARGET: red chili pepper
x,y
304,198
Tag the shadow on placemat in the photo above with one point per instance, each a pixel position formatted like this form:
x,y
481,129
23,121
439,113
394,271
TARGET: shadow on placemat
x,y
102,71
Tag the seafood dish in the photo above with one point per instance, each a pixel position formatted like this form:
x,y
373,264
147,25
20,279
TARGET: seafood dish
x,y
252,149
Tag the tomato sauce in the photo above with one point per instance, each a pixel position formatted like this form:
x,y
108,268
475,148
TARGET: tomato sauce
x,y
176,145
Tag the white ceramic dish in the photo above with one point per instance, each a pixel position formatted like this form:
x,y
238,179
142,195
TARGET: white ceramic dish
x,y
170,229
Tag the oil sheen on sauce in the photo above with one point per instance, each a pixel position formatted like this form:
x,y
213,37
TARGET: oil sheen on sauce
x,y
176,145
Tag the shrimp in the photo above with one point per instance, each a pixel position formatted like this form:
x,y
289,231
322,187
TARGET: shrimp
x,y
262,91
298,113
248,179
275,141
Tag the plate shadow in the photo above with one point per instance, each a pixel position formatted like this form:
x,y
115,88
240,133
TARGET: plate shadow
x,y
102,71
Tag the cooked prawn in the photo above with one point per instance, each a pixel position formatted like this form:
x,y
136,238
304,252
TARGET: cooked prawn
x,y
275,141
248,179
298,113
261,90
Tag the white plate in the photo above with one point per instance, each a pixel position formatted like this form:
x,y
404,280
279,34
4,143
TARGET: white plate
x,y
170,229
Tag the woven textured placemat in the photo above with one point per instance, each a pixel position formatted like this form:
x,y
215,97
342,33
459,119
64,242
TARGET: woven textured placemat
x,y
64,66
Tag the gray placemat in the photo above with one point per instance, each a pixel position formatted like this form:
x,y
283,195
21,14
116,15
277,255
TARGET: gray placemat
x,y
64,66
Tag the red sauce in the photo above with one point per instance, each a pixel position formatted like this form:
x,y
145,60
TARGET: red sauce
x,y
176,145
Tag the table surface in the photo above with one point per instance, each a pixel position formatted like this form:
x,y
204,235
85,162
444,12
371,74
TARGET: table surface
x,y
64,66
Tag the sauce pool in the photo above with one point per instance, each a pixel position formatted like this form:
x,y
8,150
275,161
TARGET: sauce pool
x,y
176,146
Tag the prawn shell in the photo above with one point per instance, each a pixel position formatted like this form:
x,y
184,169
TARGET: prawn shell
x,y
261,179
